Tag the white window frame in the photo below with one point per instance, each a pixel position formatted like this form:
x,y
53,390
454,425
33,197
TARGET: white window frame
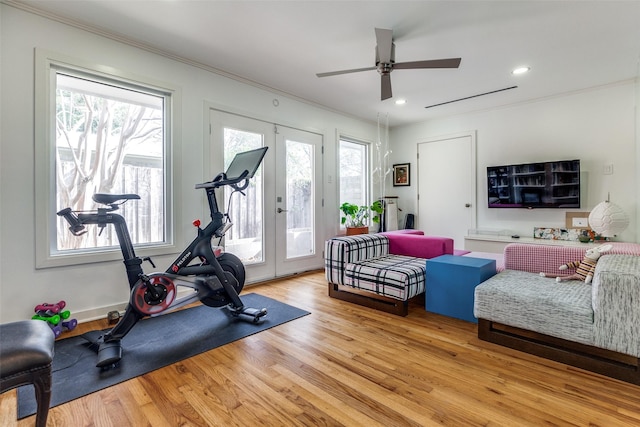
x,y
367,173
45,181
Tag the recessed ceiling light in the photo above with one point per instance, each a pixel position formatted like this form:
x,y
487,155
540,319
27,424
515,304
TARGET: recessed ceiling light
x,y
401,101
520,70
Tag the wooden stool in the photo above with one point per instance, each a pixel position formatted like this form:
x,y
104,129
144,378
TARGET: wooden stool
x,y
26,353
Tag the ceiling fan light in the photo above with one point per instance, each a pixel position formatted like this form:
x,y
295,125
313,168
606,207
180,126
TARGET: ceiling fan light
x,y
520,70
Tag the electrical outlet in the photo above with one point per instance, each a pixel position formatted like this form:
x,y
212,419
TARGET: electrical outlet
x,y
580,222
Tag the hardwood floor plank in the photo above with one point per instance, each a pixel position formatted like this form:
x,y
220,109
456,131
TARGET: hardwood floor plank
x,y
8,404
139,405
346,365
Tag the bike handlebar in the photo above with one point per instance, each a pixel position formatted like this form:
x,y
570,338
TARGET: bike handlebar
x,y
76,226
221,180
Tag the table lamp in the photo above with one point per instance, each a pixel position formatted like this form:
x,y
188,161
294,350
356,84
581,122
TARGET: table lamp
x,y
608,219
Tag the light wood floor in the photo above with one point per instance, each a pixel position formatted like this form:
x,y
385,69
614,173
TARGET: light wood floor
x,y
348,365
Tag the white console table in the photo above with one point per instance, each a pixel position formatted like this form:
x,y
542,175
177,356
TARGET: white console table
x,y
496,243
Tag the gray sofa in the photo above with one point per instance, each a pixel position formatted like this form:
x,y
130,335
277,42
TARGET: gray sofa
x,y
594,326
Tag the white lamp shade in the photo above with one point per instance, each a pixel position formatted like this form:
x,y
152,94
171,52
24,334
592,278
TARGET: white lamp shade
x,y
608,219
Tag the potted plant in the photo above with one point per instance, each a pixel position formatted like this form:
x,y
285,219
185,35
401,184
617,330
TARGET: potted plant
x,y
355,217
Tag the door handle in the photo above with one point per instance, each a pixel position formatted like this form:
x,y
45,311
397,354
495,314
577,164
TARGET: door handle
x,y
467,205
280,210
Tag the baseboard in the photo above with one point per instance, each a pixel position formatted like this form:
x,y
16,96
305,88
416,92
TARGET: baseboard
x,y
606,362
99,313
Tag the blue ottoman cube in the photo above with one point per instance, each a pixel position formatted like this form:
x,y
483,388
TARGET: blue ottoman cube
x,y
451,281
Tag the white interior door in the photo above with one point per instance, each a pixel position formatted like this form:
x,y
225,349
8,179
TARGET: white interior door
x,y
446,187
275,231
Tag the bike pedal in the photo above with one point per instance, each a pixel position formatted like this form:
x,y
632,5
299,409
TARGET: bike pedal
x,y
256,312
252,314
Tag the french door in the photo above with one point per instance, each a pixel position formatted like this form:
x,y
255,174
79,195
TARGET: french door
x,y
275,231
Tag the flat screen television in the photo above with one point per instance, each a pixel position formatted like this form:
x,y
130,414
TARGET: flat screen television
x,y
535,185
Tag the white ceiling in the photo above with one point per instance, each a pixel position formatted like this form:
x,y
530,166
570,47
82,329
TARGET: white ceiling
x,y
569,45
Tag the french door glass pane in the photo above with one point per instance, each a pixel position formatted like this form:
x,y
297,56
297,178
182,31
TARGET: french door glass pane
x,y
245,238
300,199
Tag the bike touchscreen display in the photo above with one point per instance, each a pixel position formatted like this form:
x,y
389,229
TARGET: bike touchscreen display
x,y
246,161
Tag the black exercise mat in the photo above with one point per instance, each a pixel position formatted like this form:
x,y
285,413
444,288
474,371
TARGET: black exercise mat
x,y
152,344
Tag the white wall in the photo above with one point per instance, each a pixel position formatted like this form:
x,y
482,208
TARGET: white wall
x,y
597,126
90,289
637,157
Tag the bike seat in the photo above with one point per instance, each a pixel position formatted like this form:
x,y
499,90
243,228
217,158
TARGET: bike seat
x,y
107,199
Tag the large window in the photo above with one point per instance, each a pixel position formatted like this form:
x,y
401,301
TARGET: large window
x,y
354,172
104,135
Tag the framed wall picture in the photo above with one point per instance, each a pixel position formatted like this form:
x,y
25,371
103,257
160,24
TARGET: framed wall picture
x,y
401,175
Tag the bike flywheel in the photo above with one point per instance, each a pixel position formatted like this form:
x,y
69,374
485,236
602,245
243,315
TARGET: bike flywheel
x,y
153,301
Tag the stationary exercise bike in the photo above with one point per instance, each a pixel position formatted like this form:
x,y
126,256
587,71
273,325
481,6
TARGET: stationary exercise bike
x,y
216,278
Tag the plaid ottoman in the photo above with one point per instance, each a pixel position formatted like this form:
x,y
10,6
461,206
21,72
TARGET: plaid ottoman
x,y
394,276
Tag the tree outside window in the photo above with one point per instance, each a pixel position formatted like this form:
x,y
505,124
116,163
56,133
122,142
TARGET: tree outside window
x,y
109,138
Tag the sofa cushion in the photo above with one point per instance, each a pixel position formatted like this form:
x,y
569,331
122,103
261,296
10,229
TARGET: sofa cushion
x,y
342,250
529,301
537,258
395,276
404,231
541,258
616,303
419,246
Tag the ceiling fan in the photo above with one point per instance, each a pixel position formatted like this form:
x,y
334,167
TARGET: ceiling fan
x,y
385,62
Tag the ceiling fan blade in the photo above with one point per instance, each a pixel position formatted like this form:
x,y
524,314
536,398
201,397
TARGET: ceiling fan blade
x,y
335,73
431,63
384,38
386,87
